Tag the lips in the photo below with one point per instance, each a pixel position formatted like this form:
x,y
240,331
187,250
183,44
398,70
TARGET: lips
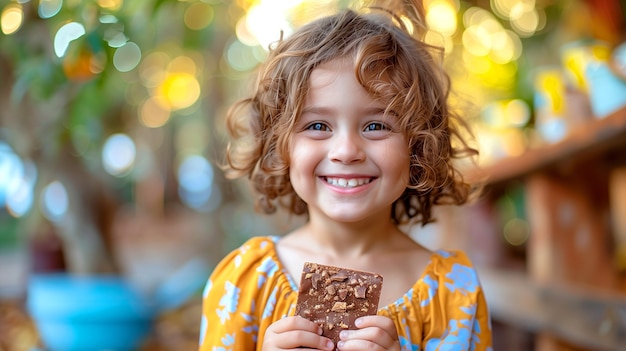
x,y
348,182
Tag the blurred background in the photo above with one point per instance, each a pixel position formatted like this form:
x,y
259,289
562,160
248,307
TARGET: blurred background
x,y
113,211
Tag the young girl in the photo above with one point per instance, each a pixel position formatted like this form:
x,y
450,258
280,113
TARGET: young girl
x,y
349,126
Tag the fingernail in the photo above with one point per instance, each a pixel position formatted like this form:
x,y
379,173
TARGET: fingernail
x,y
358,322
330,345
340,344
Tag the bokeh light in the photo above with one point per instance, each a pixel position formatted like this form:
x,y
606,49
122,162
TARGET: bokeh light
x,y
11,18
17,181
516,231
524,19
65,35
55,201
114,35
198,16
266,20
179,90
240,57
113,5
118,154
153,69
49,8
153,114
127,57
506,113
441,17
196,183
506,47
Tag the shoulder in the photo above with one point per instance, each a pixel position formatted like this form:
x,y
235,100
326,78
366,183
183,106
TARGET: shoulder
x,y
251,269
450,280
454,270
256,256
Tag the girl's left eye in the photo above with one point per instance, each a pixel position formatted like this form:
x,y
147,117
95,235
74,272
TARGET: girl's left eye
x,y
375,126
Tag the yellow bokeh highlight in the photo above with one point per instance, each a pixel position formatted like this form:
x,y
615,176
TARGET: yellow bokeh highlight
x,y
477,65
506,8
244,34
441,17
183,64
485,36
524,19
110,4
477,40
152,113
11,19
198,16
179,90
506,47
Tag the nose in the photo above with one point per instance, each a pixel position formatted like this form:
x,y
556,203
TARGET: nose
x,y
347,148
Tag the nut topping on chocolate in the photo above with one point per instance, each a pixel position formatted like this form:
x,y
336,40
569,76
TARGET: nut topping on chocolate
x,y
360,291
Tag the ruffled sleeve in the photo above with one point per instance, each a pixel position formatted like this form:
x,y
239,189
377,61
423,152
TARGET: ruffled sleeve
x,y
452,302
245,293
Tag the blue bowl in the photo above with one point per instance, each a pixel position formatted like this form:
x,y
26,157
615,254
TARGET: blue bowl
x,y
88,313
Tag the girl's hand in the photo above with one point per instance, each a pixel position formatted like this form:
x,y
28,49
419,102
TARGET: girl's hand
x,y
374,333
295,333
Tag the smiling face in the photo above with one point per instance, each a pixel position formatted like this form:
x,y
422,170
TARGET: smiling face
x,y
348,160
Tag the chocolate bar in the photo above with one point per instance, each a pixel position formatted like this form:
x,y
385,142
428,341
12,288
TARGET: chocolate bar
x,y
335,297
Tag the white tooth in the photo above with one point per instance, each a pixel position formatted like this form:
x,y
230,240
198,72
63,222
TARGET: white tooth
x,y
342,182
353,182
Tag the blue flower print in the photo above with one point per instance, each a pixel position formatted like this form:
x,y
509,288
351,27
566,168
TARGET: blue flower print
x,y
463,278
460,335
227,341
433,285
444,253
203,327
405,342
271,303
264,244
267,269
229,300
455,338
207,289
476,327
252,327
242,251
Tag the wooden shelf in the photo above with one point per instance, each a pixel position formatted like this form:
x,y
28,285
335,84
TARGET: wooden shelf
x,y
589,318
594,137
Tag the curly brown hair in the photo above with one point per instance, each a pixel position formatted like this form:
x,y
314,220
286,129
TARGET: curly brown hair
x,y
393,65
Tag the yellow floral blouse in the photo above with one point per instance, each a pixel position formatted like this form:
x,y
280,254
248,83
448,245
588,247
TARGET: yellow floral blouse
x,y
250,289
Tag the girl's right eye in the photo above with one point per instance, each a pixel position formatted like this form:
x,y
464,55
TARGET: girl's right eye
x,y
318,126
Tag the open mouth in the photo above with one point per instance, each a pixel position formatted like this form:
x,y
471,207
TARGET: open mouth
x,y
347,182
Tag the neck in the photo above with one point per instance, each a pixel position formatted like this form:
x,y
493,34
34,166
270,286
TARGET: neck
x,y
351,240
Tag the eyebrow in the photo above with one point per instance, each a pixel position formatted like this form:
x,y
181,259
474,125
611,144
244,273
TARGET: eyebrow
x,y
321,110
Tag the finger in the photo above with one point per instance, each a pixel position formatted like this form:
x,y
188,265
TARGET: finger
x,y
370,338
382,322
375,332
297,339
360,345
295,332
295,323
